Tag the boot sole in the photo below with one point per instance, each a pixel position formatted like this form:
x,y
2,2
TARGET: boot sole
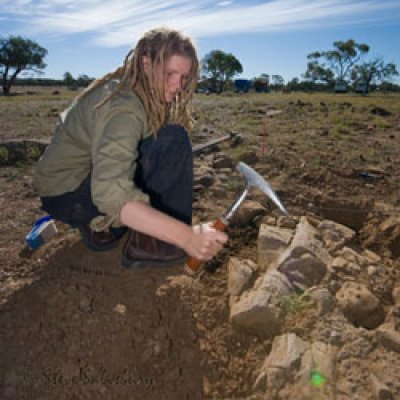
x,y
99,248
126,263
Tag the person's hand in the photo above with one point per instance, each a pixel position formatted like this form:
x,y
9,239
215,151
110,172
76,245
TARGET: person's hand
x,y
205,242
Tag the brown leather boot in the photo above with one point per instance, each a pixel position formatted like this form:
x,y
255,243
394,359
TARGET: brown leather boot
x,y
142,250
101,241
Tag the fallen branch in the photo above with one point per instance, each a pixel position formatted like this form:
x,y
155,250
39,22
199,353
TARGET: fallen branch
x,y
200,147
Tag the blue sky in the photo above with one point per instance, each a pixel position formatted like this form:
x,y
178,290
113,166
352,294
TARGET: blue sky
x,y
92,37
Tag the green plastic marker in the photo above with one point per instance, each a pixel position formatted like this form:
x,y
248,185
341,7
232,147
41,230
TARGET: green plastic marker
x,y
317,379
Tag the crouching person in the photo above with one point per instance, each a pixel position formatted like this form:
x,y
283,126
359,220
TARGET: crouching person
x,y
121,159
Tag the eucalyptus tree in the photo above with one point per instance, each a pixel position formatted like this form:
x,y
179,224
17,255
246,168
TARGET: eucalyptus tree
x,y
18,54
219,67
374,71
335,64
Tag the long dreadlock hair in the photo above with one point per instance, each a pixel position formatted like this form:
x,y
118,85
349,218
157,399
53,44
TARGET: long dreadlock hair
x,y
157,45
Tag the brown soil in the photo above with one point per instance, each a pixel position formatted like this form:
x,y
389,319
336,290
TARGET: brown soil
x,y
76,325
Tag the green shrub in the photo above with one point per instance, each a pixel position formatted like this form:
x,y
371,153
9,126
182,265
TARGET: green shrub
x,y
4,154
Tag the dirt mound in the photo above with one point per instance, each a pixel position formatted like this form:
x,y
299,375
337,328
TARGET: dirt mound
x,y
86,329
380,111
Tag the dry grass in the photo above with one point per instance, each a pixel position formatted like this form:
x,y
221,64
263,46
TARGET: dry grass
x,y
307,120
32,112
333,125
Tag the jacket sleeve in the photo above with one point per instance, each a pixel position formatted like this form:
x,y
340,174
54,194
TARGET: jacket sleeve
x,y
114,155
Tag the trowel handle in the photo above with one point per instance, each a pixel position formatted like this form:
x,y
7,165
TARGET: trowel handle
x,y
193,265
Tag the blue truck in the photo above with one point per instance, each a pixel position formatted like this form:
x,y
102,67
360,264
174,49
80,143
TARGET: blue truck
x,y
242,85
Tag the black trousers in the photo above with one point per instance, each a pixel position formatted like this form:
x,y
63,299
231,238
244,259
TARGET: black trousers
x,y
164,172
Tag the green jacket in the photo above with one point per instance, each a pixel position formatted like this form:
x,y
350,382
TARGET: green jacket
x,y
103,141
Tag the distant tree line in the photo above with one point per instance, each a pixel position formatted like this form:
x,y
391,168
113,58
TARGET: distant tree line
x,y
81,80
345,63
68,80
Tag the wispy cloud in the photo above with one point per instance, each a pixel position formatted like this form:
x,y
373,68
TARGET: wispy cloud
x,y
119,22
224,3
